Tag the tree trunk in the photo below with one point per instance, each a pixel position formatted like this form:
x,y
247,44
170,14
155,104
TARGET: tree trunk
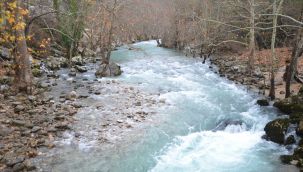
x,y
272,92
252,44
297,52
106,57
23,78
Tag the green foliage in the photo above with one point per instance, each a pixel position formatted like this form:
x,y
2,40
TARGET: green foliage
x,y
71,23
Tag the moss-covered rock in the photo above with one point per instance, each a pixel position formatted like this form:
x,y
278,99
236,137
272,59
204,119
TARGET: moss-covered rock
x,y
276,129
296,117
286,159
298,153
297,108
284,105
5,80
290,105
37,72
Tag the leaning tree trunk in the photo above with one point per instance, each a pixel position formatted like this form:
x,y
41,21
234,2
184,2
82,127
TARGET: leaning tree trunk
x,y
297,52
23,75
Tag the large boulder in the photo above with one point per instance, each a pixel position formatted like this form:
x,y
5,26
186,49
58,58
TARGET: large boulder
x,y
77,60
276,129
108,70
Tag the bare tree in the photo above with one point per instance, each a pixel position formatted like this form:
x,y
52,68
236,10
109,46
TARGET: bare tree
x,y
276,10
23,78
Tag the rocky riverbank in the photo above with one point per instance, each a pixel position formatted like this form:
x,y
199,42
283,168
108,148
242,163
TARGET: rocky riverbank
x,y
67,104
28,123
286,130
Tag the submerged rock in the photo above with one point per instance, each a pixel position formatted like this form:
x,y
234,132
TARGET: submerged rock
x,y
222,125
108,70
73,72
290,140
263,102
276,129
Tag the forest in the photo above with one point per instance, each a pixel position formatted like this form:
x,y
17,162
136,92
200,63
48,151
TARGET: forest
x,y
151,85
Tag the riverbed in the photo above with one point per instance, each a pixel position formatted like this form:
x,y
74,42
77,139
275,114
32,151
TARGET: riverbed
x,y
197,121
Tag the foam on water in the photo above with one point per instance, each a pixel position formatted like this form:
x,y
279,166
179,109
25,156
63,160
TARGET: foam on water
x,y
208,151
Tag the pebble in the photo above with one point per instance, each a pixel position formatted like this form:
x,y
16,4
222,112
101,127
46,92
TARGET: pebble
x,y
36,129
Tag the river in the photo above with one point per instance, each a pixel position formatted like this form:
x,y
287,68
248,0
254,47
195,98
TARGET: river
x,y
210,124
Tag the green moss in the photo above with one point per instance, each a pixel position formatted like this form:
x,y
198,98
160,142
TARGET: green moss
x,y
284,106
295,118
36,72
297,108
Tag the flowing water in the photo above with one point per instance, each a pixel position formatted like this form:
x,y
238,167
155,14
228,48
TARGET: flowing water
x,y
210,124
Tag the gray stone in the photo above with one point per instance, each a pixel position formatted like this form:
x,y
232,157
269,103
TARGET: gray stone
x,y
18,167
4,131
53,63
36,129
5,54
81,69
71,96
19,108
73,72
11,159
77,60
18,122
